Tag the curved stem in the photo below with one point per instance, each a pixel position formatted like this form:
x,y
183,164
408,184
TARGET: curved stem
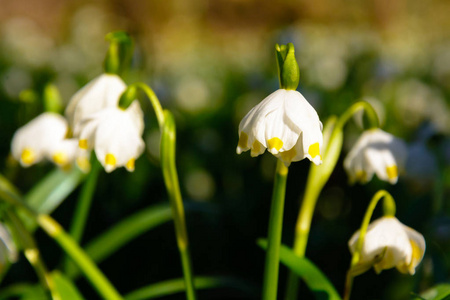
x,y
371,114
168,140
388,211
270,285
153,101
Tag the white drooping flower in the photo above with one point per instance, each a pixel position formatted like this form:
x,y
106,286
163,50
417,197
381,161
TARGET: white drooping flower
x,y
387,244
376,151
115,135
284,123
66,151
43,137
102,92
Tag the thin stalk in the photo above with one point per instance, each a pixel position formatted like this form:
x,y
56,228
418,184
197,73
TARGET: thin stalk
x,y
388,211
360,105
55,231
86,265
168,140
270,285
83,206
317,178
153,101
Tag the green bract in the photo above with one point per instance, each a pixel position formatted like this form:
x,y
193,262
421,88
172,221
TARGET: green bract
x,y
288,71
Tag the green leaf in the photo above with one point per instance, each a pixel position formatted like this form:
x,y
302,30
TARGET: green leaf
x,y
316,281
438,292
20,290
118,236
53,189
174,286
64,287
35,292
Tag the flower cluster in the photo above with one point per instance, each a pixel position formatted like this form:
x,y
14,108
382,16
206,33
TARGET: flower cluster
x,y
99,124
96,122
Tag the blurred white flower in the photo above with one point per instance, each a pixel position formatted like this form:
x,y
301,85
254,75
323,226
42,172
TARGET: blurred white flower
x,y
43,137
100,93
377,152
64,152
115,135
387,244
284,123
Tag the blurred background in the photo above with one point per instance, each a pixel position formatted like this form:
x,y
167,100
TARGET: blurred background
x,y
210,62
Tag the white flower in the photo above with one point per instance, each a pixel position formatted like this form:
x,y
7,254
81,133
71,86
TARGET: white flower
x,y
43,137
387,244
115,135
102,92
284,123
377,152
65,152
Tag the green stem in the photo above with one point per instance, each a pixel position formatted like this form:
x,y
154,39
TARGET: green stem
x,y
122,233
317,178
168,139
270,285
55,231
83,206
371,114
93,274
153,101
388,211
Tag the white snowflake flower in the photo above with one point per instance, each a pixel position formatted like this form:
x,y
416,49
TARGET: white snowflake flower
x,y
388,243
284,123
115,135
102,92
38,138
377,152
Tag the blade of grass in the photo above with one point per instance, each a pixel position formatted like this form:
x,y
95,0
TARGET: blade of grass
x,y
113,239
64,287
316,281
173,286
53,189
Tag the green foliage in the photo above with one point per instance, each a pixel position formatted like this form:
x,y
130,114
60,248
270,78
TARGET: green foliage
x,y
65,288
438,292
316,281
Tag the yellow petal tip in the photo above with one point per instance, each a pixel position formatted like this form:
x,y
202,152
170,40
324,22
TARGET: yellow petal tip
x,y
130,165
314,150
27,157
275,143
392,172
83,144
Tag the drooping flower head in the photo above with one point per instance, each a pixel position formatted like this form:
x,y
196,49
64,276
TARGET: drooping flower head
x,y
376,151
44,137
102,92
284,122
388,244
115,135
